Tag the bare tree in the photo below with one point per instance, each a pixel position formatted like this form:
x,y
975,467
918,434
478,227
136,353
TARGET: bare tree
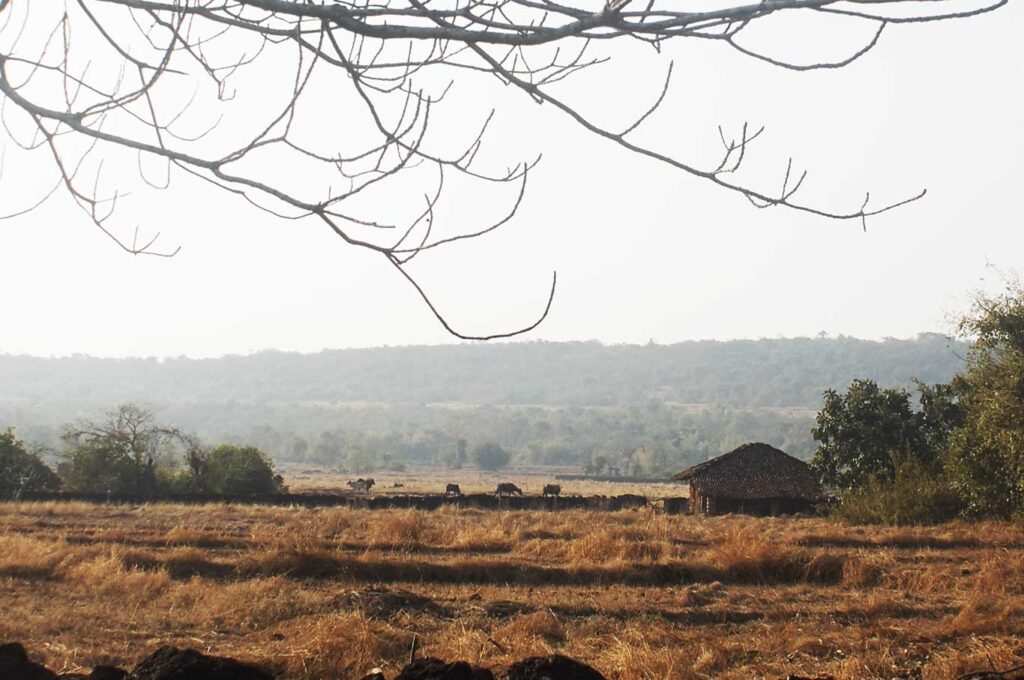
x,y
89,78
134,436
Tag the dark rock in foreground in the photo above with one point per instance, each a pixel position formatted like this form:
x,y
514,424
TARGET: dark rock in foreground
x,y
170,663
434,669
15,665
556,667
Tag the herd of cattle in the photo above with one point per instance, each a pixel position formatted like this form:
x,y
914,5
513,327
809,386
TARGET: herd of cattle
x,y
505,489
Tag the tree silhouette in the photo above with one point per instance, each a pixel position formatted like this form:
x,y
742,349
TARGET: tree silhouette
x,y
83,80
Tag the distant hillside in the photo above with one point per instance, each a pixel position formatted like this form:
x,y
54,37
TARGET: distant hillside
x,y
748,373
653,407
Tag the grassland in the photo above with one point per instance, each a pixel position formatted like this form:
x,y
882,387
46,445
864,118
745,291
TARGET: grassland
x,y
430,480
331,593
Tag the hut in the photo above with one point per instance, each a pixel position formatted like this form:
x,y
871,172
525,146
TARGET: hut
x,y
755,479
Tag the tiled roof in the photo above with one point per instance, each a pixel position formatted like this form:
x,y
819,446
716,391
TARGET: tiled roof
x,y
754,471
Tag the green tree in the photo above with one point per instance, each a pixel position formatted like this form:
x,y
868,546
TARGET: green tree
x,y
359,460
120,454
22,470
941,414
860,431
490,456
986,454
98,466
240,470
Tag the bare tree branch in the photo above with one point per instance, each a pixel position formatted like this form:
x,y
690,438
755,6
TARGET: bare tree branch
x,y
84,80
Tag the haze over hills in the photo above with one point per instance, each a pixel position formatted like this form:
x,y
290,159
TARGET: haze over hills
x,y
547,401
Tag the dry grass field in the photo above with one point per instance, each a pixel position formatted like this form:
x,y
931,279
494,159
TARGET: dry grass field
x,y
331,593
426,480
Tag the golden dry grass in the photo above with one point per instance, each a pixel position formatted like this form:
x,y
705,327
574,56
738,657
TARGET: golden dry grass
x,y
425,480
331,593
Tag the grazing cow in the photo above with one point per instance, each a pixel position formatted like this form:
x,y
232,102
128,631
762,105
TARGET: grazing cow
x,y
452,490
508,489
361,484
552,490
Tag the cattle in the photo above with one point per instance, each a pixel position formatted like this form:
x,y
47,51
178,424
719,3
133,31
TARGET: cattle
x,y
452,490
507,489
552,490
361,485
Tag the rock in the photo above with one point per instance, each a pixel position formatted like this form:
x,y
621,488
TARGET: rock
x,y
170,663
555,667
429,668
15,665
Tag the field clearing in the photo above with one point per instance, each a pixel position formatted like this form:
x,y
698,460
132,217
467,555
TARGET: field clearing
x,y
333,592
309,478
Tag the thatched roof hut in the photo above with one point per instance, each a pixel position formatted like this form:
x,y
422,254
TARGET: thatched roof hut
x,y
754,478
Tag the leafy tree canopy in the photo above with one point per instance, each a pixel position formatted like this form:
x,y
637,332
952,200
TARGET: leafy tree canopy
x,y
240,470
490,456
97,466
22,470
986,454
861,431
968,435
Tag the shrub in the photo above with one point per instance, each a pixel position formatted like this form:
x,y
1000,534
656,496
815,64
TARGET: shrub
x,y
490,457
22,470
914,495
177,482
233,469
97,467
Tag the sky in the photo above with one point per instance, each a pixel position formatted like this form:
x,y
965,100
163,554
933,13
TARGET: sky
x,y
643,252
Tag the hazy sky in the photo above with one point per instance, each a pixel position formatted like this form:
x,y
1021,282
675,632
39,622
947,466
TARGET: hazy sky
x,y
642,251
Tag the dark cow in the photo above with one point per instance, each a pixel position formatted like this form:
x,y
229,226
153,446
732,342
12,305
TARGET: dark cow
x,y
452,490
552,490
362,485
508,489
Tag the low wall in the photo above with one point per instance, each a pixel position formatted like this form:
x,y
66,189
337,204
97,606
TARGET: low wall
x,y
616,478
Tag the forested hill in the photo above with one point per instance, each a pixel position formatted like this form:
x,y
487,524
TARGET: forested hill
x,y
742,373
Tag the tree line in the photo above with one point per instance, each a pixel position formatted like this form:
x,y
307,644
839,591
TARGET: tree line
x,y
652,440
950,449
784,372
650,410
130,452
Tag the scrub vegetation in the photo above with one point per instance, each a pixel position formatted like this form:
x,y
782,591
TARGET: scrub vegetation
x,y
332,593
